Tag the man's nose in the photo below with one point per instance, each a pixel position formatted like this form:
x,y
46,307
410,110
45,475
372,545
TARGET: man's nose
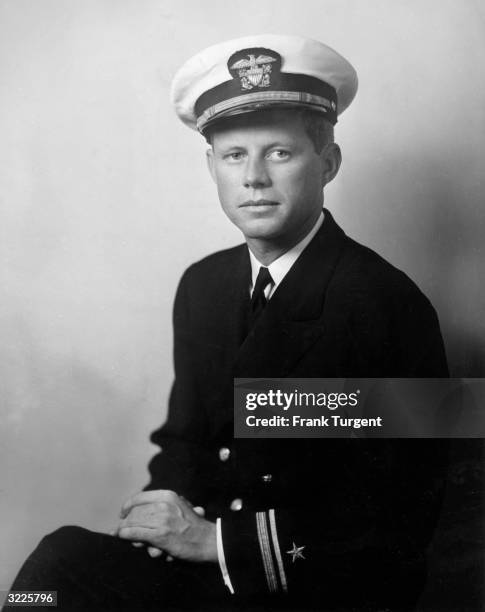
x,y
256,174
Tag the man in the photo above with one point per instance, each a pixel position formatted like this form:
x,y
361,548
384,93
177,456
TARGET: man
x,y
302,524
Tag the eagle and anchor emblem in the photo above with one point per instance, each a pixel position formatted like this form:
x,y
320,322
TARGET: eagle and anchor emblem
x,y
254,67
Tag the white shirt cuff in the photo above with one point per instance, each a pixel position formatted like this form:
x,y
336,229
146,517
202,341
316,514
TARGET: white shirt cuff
x,y
221,558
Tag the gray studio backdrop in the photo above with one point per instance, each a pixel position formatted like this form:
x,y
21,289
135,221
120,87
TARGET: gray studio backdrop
x,y
105,199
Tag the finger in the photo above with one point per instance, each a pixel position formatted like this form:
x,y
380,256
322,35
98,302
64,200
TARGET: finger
x,y
154,552
169,558
135,534
199,510
138,544
151,516
136,523
148,497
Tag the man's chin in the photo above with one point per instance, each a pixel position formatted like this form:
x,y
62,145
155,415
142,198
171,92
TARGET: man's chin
x,y
261,229
265,235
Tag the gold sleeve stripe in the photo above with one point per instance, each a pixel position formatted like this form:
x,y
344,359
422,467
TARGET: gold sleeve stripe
x,y
277,550
264,546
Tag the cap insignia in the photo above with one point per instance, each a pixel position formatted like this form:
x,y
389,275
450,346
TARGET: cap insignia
x,y
254,67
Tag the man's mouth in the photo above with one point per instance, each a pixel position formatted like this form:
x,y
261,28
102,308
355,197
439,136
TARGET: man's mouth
x,y
258,203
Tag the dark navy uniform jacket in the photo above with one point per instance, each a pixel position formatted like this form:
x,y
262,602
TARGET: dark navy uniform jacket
x,y
364,510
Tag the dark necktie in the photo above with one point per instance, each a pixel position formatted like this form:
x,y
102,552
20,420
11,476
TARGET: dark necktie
x,y
258,299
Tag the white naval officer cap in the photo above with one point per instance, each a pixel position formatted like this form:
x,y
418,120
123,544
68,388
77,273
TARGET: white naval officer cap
x,y
257,72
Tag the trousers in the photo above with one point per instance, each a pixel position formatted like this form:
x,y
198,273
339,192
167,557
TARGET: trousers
x,y
96,572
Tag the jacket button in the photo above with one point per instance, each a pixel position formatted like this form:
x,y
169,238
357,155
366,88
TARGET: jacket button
x,y
224,453
267,477
236,504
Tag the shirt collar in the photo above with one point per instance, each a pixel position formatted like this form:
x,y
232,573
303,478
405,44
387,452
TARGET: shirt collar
x,y
280,267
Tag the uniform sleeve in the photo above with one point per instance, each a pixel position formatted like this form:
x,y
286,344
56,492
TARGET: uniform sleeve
x,y
421,348
374,545
175,466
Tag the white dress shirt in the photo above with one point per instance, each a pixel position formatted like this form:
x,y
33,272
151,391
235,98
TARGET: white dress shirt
x,y
280,267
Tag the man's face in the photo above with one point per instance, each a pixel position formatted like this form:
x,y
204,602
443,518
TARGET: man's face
x,y
269,177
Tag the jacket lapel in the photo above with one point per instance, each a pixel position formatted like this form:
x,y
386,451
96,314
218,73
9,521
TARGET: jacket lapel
x,y
232,305
293,319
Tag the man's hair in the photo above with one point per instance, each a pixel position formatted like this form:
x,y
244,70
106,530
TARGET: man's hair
x,y
317,128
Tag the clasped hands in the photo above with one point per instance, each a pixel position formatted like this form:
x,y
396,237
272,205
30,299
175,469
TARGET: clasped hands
x,y
165,521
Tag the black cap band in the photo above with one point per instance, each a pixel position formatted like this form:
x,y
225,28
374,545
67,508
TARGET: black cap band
x,y
284,88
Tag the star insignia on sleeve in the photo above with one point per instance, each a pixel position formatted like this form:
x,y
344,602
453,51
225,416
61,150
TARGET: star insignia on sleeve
x,y
296,552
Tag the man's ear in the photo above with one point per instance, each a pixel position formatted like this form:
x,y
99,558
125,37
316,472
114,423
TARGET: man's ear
x,y
331,157
210,163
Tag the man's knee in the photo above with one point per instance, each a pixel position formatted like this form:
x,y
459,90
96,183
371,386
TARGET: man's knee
x,y
65,542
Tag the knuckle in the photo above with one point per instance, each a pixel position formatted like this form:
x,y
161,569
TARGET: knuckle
x,y
162,531
132,516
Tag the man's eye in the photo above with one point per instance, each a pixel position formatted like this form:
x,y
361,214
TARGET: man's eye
x,y
235,156
279,154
